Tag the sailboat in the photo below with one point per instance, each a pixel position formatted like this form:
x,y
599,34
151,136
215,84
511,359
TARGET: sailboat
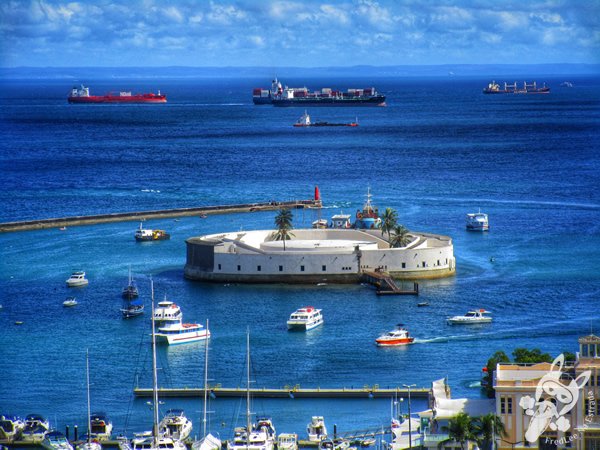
x,y
208,441
89,444
155,441
130,291
260,436
132,305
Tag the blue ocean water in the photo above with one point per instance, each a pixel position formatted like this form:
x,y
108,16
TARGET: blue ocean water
x,y
439,149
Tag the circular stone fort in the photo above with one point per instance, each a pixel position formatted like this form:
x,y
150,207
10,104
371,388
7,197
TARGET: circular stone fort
x,y
315,255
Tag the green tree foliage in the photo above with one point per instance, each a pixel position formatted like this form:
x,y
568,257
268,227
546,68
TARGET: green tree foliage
x,y
389,220
486,428
283,224
400,237
488,380
524,356
460,429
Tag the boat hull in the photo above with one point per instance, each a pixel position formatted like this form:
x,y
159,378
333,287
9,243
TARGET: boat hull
x,y
162,237
394,342
468,322
77,283
303,326
147,98
485,227
330,101
176,338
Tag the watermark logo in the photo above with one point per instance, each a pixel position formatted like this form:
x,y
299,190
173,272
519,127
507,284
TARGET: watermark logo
x,y
553,400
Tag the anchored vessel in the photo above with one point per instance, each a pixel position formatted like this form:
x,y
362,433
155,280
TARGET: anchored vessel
x,y
77,279
477,222
528,88
471,317
82,95
289,96
144,234
305,121
171,330
305,319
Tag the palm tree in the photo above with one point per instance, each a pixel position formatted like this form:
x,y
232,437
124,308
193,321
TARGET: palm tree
x,y
283,223
400,237
460,429
389,220
486,428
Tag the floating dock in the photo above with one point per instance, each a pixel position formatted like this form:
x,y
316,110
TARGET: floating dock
x,y
386,285
157,214
288,392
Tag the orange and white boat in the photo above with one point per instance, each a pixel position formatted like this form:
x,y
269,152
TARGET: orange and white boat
x,y
398,336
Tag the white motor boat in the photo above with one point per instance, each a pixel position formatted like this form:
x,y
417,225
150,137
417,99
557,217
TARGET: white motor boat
x,y
55,440
471,317
175,424
316,429
477,222
171,328
70,301
77,279
320,223
11,426
36,427
287,441
305,319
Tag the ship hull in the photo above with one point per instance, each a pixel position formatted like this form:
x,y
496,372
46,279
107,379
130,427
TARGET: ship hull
x,y
330,101
262,100
119,99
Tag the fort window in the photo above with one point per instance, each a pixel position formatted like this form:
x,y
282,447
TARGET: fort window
x,y
239,267
258,268
404,265
281,268
301,268
219,266
438,262
324,268
424,264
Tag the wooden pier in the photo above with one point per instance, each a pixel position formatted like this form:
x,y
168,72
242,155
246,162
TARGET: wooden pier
x,y
157,214
287,392
385,284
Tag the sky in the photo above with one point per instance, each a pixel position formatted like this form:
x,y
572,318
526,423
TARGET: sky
x,y
296,33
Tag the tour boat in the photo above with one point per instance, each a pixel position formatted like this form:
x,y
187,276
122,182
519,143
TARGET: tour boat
x,y
398,336
36,427
171,328
471,317
146,234
316,429
477,222
175,425
305,319
70,301
77,279
55,440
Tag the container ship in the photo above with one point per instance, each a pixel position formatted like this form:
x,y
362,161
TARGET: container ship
x,y
528,88
82,95
287,96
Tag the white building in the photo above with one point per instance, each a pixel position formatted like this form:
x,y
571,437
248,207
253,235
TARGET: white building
x,y
314,255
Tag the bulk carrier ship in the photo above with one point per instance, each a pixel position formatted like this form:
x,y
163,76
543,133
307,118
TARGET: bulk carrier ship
x,y
287,96
82,95
528,88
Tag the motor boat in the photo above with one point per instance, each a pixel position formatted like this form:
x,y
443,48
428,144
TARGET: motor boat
x,y
477,222
175,425
287,441
167,312
77,279
305,319
471,317
101,426
55,440
172,330
11,427
334,444
396,337
36,427
145,234
320,223
341,221
70,301
316,429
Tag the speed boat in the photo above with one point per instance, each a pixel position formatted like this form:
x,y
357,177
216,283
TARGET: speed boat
x,y
316,429
36,427
398,336
471,317
70,301
55,440
11,426
477,222
175,425
305,319
77,279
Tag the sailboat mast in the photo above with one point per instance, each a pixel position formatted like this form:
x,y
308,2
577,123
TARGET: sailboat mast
x,y
87,370
248,389
205,381
154,374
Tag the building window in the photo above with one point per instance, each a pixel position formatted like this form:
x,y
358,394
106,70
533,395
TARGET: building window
x,y
258,268
502,405
439,263
404,265
281,268
424,264
219,266
324,268
301,268
239,267
509,405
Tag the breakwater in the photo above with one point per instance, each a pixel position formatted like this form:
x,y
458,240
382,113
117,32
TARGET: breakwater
x,y
288,392
156,214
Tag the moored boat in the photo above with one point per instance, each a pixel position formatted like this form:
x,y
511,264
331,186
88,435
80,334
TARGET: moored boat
x,y
305,319
36,427
145,234
368,218
471,317
130,291
341,221
77,279
316,429
55,440
82,95
477,221
101,426
132,308
11,426
320,223
176,425
396,337
287,441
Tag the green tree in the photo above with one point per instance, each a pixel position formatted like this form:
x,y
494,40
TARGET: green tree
x,y
283,223
389,220
486,428
400,237
460,429
569,357
488,379
524,356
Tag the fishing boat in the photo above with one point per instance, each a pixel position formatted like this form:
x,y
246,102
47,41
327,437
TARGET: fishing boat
x,y
132,308
172,330
82,95
316,429
304,319
77,279
11,426
144,234
154,440
396,337
207,441
368,218
477,221
471,317
55,440
36,427
70,301
130,291
89,443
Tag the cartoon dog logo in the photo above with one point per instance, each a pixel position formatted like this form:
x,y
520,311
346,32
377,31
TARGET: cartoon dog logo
x,y
550,394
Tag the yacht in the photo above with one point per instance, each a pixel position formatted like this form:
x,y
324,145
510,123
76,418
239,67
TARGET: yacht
x,y
36,427
55,440
172,330
471,317
176,425
316,429
11,426
477,222
101,426
396,337
77,279
305,319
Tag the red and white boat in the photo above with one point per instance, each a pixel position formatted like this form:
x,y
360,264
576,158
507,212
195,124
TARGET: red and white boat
x,y
82,95
398,336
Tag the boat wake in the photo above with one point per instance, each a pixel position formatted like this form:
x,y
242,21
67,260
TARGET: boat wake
x,y
154,191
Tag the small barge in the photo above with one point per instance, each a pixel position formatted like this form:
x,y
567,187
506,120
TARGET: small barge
x,y
305,121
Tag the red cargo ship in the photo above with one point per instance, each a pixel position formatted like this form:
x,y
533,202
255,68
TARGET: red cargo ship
x,y
82,95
